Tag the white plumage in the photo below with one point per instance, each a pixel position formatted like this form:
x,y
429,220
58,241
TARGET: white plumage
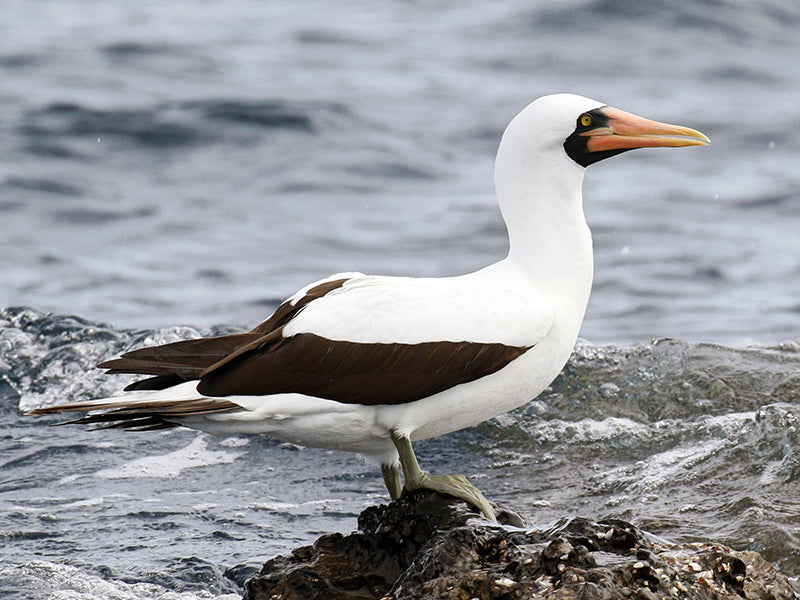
x,y
411,311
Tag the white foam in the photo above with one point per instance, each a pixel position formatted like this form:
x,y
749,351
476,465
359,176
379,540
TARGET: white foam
x,y
196,454
51,581
274,505
677,463
69,479
95,501
234,442
589,430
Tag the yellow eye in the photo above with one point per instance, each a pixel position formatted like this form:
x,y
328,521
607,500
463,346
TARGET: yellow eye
x,y
586,120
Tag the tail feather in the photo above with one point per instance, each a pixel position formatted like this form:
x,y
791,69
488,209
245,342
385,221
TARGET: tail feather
x,y
139,415
144,422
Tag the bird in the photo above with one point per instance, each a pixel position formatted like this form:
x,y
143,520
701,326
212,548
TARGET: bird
x,y
370,364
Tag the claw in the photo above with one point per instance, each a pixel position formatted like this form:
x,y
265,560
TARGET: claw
x,y
452,485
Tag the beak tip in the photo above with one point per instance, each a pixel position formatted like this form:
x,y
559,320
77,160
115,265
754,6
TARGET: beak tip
x,y
703,138
700,138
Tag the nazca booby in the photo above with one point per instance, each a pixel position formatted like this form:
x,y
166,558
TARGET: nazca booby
x,y
369,364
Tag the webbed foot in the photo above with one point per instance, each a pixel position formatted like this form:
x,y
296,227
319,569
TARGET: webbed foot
x,y
452,485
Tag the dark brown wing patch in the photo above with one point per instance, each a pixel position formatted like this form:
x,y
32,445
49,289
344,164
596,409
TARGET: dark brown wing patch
x,y
286,311
186,359
353,373
171,364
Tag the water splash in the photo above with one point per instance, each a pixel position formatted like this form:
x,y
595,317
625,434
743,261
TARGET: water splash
x,y
691,441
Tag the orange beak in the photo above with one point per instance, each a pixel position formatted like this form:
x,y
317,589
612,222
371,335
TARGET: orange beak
x,y
624,131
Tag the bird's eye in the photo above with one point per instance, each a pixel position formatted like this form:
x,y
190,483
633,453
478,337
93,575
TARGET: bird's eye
x,y
586,120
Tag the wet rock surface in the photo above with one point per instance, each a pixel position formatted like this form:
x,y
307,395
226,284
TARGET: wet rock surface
x,y
432,547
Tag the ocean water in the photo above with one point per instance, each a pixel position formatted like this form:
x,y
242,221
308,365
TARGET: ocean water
x,y
169,170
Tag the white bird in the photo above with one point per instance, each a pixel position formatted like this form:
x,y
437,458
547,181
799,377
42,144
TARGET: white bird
x,y
369,364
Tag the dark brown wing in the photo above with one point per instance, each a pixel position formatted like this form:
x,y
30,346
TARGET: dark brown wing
x,y
177,362
286,311
171,364
263,362
352,372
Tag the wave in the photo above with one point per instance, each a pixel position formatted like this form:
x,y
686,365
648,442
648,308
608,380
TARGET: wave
x,y
44,579
736,20
667,378
689,440
174,124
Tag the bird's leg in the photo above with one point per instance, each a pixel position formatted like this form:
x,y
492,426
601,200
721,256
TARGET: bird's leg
x,y
452,485
391,477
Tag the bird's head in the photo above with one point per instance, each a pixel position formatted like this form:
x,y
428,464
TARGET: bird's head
x,y
589,131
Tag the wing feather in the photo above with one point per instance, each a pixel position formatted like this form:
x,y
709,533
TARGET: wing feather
x,y
171,364
356,339
351,372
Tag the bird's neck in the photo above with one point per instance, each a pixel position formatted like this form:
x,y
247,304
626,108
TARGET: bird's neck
x,y
549,239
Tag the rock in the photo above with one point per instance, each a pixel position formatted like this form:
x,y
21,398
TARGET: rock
x,y
432,547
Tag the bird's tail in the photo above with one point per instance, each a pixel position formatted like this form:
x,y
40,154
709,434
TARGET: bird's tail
x,y
148,411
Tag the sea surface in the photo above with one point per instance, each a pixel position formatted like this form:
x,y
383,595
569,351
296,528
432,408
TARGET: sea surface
x,y
175,169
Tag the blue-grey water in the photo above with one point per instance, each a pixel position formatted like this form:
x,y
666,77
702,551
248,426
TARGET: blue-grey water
x,y
174,169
